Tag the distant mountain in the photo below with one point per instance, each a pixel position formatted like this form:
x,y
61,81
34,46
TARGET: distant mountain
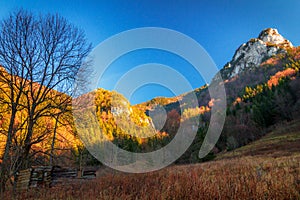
x,y
248,57
262,85
245,68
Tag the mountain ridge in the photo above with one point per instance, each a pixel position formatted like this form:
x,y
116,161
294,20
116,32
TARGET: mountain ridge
x,y
268,44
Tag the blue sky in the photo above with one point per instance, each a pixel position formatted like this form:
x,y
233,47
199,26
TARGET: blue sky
x,y
219,26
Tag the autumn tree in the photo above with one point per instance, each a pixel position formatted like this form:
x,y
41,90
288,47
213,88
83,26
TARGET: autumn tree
x,y
41,56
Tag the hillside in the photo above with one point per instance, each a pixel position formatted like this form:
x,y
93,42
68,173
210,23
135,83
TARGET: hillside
x,y
282,140
262,87
256,155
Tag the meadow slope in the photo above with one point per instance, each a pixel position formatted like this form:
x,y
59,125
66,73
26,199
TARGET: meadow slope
x,y
268,168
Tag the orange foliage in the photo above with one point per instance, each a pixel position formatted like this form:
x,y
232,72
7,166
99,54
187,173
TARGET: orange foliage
x,y
237,101
211,103
274,80
271,61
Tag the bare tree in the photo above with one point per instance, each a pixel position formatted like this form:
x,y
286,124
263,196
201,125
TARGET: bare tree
x,y
40,56
62,118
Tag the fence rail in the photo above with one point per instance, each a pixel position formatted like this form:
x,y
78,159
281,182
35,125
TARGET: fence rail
x,y
48,176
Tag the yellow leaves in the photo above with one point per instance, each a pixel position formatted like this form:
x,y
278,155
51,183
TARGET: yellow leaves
x,y
252,92
43,125
139,117
121,121
195,112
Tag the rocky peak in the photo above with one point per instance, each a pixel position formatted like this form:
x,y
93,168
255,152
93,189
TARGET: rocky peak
x,y
255,51
272,37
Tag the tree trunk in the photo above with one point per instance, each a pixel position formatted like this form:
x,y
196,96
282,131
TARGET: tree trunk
x,y
4,172
27,145
53,141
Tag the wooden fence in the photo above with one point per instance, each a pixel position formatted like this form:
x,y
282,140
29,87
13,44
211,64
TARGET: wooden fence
x,y
46,176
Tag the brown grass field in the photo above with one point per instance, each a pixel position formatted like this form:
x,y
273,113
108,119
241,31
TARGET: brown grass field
x,y
266,169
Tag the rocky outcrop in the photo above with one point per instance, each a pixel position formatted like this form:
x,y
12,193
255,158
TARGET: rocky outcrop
x,y
251,54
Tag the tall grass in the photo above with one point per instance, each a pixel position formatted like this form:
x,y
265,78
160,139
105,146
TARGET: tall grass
x,y
238,178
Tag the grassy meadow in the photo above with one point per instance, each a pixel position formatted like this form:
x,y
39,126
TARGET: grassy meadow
x,y
268,168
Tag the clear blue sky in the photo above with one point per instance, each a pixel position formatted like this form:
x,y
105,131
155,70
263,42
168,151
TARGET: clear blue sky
x,y
219,26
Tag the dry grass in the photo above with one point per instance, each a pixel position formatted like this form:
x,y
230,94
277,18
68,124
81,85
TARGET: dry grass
x,y
256,171
238,178
284,140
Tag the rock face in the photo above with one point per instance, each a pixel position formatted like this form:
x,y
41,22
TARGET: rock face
x,y
255,51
